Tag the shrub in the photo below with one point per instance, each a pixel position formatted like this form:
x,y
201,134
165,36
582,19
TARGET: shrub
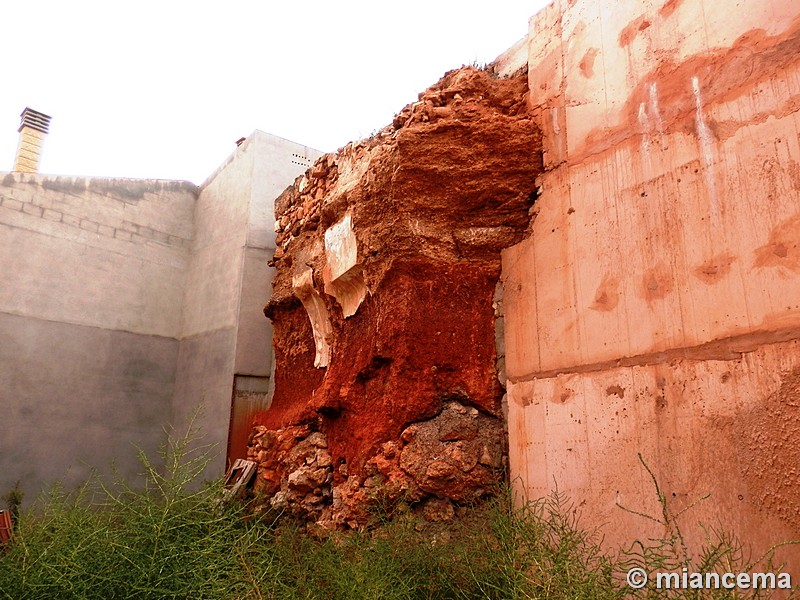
x,y
175,539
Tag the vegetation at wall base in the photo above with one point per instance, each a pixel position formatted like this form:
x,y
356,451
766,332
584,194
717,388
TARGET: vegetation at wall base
x,y
174,539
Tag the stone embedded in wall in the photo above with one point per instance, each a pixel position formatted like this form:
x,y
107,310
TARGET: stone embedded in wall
x,y
294,468
388,255
456,456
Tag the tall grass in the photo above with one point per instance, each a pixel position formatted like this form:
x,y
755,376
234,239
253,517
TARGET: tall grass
x,y
167,540
174,539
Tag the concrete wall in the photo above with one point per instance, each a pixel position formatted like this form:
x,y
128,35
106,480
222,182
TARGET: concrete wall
x,y
126,304
224,331
92,275
656,306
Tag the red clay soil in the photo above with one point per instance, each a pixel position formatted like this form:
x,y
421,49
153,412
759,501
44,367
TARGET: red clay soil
x,y
433,198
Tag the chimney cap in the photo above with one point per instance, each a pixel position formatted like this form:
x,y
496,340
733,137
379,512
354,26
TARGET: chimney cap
x,y
35,120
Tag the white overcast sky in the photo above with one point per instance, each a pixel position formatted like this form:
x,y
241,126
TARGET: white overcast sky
x,y
163,89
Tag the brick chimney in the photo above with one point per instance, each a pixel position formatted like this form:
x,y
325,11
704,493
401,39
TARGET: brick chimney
x,y
32,131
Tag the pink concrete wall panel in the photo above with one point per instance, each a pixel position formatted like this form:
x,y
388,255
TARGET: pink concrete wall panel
x,y
728,428
669,223
654,307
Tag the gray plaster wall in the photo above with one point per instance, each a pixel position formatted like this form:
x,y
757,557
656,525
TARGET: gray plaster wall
x,y
203,388
254,334
224,331
102,252
77,397
92,273
126,305
278,162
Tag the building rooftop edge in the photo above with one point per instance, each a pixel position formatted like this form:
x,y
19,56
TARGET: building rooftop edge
x,y
256,133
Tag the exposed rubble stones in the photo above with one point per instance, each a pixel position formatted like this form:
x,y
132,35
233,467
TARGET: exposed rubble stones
x,y
387,259
454,457
295,469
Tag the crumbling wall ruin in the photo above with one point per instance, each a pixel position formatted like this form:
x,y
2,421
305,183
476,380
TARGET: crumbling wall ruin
x,y
388,256
652,309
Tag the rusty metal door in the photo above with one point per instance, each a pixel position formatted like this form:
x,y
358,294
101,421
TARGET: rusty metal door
x,y
250,396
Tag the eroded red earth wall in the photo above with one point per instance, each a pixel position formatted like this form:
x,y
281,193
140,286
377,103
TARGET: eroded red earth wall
x,y
386,383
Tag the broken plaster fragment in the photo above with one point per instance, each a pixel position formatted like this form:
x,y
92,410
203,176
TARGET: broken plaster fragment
x,y
343,274
303,286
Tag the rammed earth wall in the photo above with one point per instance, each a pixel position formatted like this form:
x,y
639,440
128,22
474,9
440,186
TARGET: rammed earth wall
x,y
388,257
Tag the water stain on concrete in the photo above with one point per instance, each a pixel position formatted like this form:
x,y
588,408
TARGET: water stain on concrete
x,y
587,62
669,7
631,30
714,269
656,284
783,249
607,296
65,185
562,396
754,52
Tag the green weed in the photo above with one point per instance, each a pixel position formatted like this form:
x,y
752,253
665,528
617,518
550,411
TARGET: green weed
x,y
172,538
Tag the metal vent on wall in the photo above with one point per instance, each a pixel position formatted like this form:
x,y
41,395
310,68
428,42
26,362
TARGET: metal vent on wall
x,y
299,159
